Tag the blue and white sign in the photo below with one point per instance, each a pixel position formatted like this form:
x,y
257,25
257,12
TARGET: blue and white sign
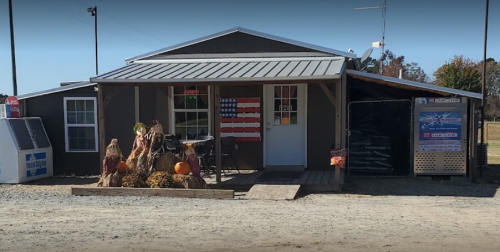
x,y
440,131
36,164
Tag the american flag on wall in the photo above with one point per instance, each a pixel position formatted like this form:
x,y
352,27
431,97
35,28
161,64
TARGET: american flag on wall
x,y
240,117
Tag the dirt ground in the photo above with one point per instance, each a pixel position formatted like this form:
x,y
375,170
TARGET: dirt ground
x,y
369,215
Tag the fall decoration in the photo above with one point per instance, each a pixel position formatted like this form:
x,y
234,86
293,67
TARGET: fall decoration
x,y
182,168
160,179
186,181
166,162
123,168
133,180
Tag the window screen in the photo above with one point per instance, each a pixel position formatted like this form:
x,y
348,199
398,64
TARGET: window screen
x,y
22,135
39,133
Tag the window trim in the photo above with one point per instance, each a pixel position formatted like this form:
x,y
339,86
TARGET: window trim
x,y
66,125
172,110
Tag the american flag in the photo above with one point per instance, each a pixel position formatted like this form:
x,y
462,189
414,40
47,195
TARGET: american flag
x,y
240,117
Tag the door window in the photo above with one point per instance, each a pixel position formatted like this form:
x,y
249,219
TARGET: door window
x,y
285,104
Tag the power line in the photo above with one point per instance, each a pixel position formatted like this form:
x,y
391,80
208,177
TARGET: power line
x,y
71,14
109,16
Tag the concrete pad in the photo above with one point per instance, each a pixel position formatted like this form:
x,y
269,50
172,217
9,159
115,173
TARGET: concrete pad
x,y
273,192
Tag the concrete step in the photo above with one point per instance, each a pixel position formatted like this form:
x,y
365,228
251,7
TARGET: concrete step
x,y
273,192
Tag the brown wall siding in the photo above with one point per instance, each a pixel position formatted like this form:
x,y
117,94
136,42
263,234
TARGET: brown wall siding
x,y
249,154
320,128
153,104
239,43
119,116
50,108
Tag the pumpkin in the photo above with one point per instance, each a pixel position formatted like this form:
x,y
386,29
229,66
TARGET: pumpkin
x,y
182,168
123,168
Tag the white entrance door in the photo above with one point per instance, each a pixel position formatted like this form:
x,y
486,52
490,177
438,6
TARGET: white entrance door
x,y
285,125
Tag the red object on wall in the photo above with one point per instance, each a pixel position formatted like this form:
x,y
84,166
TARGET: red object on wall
x,y
14,111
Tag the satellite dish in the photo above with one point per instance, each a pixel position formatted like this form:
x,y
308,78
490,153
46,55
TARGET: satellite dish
x,y
366,55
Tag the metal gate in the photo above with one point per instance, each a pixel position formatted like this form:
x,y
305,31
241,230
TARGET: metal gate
x,y
380,138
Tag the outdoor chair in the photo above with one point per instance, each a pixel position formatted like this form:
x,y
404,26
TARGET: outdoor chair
x,y
228,148
172,144
204,155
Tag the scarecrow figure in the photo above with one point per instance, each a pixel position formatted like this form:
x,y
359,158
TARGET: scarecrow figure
x,y
138,155
155,137
194,164
111,163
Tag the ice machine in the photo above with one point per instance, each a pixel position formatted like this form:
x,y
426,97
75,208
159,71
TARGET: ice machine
x,y
25,150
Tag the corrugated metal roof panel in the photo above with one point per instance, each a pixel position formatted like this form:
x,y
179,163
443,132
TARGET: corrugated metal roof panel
x,y
244,70
197,70
57,89
414,84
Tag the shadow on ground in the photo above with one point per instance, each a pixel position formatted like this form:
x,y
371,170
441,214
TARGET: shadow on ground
x,y
87,180
487,185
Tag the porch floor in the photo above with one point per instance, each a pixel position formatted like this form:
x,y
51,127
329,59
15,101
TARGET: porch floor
x,y
313,181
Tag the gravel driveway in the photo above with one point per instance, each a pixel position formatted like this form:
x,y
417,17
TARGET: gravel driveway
x,y
43,216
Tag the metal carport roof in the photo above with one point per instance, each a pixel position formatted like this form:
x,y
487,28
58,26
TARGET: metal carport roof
x,y
411,85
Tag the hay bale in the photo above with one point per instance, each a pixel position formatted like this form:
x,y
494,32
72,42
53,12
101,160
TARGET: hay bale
x,y
191,182
166,162
186,181
133,180
160,179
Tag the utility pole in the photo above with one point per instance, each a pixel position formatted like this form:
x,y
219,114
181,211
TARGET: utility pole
x,y
93,11
13,49
384,8
483,82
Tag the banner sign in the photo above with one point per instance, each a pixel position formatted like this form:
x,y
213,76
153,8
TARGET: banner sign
x,y
12,107
438,100
440,131
36,164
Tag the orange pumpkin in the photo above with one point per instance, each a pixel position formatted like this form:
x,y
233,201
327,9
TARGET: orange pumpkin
x,y
123,168
182,168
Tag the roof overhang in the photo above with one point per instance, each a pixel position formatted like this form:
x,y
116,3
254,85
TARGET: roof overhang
x,y
411,85
57,90
247,31
229,70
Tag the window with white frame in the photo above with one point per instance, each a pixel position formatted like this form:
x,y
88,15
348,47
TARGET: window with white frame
x,y
80,121
190,111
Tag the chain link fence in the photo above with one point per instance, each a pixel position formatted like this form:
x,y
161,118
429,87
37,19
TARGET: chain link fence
x,y
380,138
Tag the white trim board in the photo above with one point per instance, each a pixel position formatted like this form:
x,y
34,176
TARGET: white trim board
x,y
95,125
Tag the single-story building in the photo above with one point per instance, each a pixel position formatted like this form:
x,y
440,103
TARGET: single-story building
x,y
69,113
286,102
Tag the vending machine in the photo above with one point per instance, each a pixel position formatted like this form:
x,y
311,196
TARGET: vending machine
x,y
440,136
25,150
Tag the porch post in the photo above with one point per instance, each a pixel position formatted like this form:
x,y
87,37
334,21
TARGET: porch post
x,y
136,101
218,158
101,124
338,124
473,121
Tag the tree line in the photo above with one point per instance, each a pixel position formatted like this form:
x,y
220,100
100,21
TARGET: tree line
x,y
458,73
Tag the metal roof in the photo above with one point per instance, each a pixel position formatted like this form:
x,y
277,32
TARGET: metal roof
x,y
247,31
226,70
57,89
413,84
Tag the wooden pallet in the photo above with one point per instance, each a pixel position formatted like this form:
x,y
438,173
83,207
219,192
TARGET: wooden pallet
x,y
162,192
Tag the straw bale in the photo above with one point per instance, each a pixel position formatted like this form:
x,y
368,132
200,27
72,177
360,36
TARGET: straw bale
x,y
166,162
160,179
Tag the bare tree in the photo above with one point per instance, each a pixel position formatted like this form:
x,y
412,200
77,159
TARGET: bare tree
x,y
392,64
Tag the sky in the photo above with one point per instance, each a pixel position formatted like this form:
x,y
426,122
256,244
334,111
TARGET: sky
x,y
54,39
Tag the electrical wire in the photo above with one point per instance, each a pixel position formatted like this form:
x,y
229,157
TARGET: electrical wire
x,y
85,20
